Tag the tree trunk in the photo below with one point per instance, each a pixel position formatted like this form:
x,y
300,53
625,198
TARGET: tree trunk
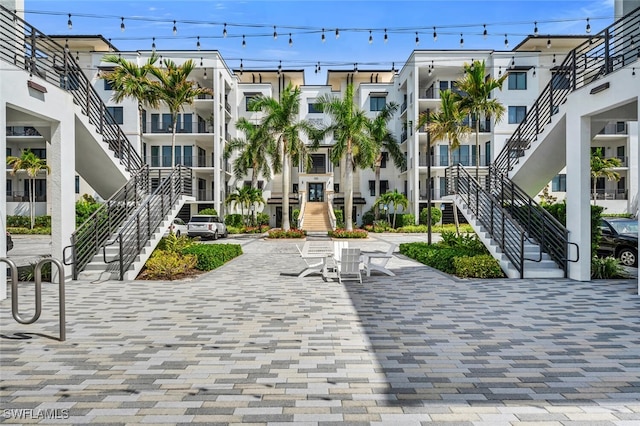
x,y
377,188
478,148
140,133
348,196
286,178
595,194
455,193
174,119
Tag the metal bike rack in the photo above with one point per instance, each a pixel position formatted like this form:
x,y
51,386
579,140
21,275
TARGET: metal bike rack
x,y
38,296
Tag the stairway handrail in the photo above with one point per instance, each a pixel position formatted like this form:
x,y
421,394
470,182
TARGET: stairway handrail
x,y
609,50
142,223
45,58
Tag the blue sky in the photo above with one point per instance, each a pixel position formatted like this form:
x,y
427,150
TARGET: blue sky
x,y
255,19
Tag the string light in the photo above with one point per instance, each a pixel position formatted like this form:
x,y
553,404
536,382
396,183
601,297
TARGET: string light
x,y
69,23
513,61
549,43
205,74
122,24
175,29
554,59
224,31
280,67
355,67
198,43
633,72
484,33
241,67
393,67
588,29
77,56
461,41
435,34
473,65
500,71
290,40
370,37
66,46
244,42
417,39
535,29
153,45
323,37
386,37
506,41
201,61
337,33
275,33
534,72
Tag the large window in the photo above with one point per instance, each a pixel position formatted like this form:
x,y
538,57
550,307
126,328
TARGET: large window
x,y
517,114
377,103
314,108
517,81
559,183
77,184
317,164
107,85
117,114
384,187
385,158
248,99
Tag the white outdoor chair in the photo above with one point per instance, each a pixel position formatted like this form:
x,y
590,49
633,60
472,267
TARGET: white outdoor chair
x,y
378,261
348,267
314,264
337,252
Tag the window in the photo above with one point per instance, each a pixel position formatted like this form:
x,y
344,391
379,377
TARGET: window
x,y
444,155
517,81
384,187
559,183
372,188
314,108
8,152
117,114
188,155
336,187
620,154
377,103
622,185
9,188
155,156
385,158
166,156
77,184
295,188
107,85
41,153
248,99
317,164
517,114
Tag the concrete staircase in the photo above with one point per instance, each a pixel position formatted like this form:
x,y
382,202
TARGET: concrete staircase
x,y
537,264
316,217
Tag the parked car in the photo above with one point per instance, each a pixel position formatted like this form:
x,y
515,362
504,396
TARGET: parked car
x,y
207,226
619,239
9,242
178,227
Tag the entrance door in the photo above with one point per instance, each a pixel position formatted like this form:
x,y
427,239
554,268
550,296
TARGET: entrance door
x,y
316,192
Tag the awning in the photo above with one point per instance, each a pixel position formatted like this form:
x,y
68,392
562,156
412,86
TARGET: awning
x,y
278,200
356,200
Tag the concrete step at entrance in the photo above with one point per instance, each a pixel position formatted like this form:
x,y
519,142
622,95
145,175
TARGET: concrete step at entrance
x,y
316,217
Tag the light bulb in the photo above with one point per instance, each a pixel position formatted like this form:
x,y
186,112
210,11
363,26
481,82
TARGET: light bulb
x,y
122,24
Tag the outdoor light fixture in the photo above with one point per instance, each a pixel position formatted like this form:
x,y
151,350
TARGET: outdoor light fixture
x,y
201,61
224,31
633,72
554,59
548,43
417,39
513,61
386,37
500,71
337,33
198,43
535,29
205,73
153,45
484,33
275,33
175,29
534,72
355,67
461,41
122,24
244,42
435,34
370,37
280,67
588,29
290,40
69,23
506,41
323,37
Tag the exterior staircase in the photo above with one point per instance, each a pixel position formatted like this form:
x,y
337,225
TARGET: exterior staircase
x,y
316,217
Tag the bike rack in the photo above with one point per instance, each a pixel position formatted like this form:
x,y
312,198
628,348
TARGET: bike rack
x,y
38,296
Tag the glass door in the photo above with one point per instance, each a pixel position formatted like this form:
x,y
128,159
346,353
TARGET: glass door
x,y
316,192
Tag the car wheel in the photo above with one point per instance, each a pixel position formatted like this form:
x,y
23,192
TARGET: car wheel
x,y
226,234
178,233
215,235
628,257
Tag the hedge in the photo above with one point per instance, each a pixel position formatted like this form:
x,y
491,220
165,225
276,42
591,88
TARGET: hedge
x,y
212,256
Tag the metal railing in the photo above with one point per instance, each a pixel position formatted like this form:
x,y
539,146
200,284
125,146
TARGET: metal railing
x,y
182,126
91,236
504,229
29,49
140,226
608,51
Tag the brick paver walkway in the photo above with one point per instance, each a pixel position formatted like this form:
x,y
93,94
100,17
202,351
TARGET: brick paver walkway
x,y
251,342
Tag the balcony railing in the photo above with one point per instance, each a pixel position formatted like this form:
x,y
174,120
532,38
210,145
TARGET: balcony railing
x,y
20,196
182,126
443,160
619,128
205,96
403,136
22,131
610,194
204,195
403,108
191,161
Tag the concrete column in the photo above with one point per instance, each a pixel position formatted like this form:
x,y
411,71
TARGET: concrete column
x,y
3,200
578,136
632,174
218,135
61,158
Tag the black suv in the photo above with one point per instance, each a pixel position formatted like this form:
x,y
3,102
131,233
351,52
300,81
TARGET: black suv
x,y
619,239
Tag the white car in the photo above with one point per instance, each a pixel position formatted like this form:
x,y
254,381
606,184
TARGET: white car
x,y
207,227
178,227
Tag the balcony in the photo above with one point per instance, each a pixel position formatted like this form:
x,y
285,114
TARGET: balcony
x,y
485,125
403,136
205,96
204,195
183,127
443,160
610,194
22,196
22,131
165,161
618,128
403,108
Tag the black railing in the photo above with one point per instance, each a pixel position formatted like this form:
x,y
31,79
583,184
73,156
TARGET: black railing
x,y
540,226
90,236
182,126
140,226
489,212
612,49
27,48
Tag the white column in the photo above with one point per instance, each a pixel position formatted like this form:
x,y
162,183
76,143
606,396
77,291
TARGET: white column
x,y
3,200
61,158
632,172
578,132
218,135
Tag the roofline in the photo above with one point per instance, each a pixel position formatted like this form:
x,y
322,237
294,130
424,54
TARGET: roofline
x,y
98,36
550,36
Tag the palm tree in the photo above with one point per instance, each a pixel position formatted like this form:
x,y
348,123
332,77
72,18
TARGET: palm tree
x,y
383,139
32,164
240,197
174,89
352,141
603,168
128,80
476,98
446,124
394,199
280,121
255,198
254,151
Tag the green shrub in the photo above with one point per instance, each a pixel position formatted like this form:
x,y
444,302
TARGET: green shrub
x,y
367,218
174,244
167,265
85,207
16,221
235,229
436,215
234,219
469,242
606,268
209,211
291,233
212,256
439,256
295,215
407,219
450,227
339,218
262,219
343,233
481,266
413,229
255,229
29,231
623,215
559,211
28,272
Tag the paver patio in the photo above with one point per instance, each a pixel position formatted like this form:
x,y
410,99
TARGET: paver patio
x,y
251,342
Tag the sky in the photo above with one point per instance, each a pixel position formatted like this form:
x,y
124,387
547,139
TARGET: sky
x,y
303,21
